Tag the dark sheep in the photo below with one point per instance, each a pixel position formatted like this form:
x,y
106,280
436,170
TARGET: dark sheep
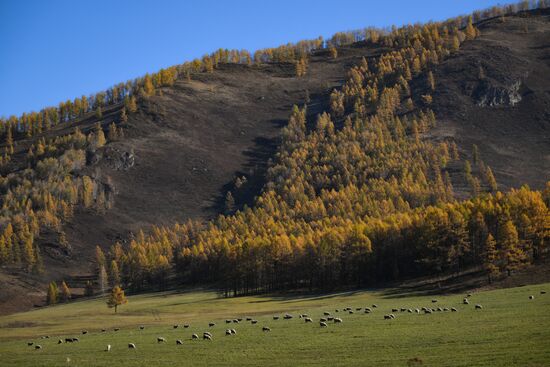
x,y
239,319
37,346
30,343
542,292
131,346
253,321
249,319
141,327
186,326
358,308
275,317
322,319
228,321
403,309
179,342
84,332
330,318
176,326
103,330
367,310
68,340
116,329
76,340
288,316
265,328
394,310
350,312
212,324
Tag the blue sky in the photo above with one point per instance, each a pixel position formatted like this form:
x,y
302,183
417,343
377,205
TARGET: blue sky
x,y
56,50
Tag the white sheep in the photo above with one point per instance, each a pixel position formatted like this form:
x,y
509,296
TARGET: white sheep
x,y
108,349
323,324
179,342
131,346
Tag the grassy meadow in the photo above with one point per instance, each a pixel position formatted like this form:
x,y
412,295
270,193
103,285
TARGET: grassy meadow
x,y
510,330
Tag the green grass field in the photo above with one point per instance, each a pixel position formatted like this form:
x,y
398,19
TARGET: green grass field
x,y
510,330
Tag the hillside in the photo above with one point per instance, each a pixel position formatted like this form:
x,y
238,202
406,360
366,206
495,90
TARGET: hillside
x,y
186,145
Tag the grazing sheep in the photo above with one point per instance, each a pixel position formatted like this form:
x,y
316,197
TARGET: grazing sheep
x,y
194,336
116,329
330,318
479,307
337,320
410,311
228,332
308,319
416,310
206,337
68,340
212,324
45,337
350,312
265,328
141,327
374,306
403,309
336,310
37,346
233,331
108,349
434,301
228,321
179,342
387,317
30,343
131,346
176,326
358,308
275,317
103,330
446,309
249,319
236,321
186,326
469,295
368,310
240,319
84,332
76,340
323,324
453,309
466,301
206,333
542,292
322,319
253,322
394,310
439,309
160,339
427,311
60,341
326,313
531,297
287,316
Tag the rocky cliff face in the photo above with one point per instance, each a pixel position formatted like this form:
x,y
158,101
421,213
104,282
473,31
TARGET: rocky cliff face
x,y
487,94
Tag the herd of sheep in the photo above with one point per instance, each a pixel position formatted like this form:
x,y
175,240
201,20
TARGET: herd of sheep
x,y
323,321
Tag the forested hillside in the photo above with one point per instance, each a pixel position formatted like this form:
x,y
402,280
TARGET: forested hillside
x,y
380,172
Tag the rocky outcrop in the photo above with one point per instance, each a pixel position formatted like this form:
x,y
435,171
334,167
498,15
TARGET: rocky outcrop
x,y
490,95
